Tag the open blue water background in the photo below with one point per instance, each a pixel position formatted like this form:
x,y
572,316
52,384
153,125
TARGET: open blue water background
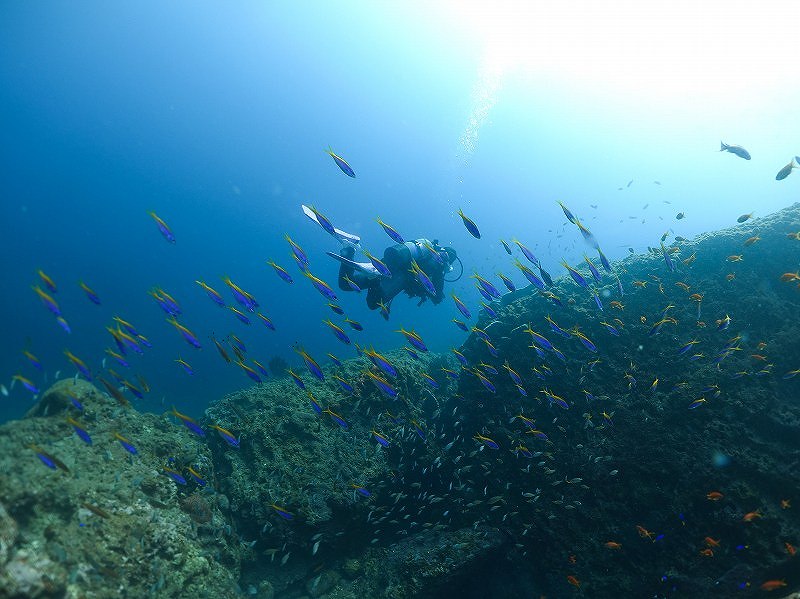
x,y
216,116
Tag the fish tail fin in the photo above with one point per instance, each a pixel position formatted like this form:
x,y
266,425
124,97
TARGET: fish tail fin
x,y
723,146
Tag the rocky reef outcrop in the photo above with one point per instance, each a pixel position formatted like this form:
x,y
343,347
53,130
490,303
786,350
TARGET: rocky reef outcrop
x,y
638,437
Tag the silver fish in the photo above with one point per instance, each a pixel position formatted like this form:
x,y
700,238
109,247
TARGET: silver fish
x,y
785,171
738,150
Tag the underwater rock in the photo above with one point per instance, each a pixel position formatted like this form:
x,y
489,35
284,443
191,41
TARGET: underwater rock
x,y
59,397
32,575
587,463
620,439
439,564
101,517
8,534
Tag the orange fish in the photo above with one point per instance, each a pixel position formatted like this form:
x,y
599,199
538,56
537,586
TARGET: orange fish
x,y
793,236
644,533
613,545
789,548
707,552
696,297
752,240
617,305
785,505
730,276
714,496
750,516
711,542
738,258
577,583
682,285
771,585
790,276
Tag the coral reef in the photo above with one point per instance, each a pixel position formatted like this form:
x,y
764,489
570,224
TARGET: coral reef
x,y
104,523
593,465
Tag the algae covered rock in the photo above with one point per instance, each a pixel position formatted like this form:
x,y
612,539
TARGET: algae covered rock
x,y
8,534
60,398
94,518
31,574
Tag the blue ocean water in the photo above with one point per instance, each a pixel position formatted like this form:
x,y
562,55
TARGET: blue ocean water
x,y
216,117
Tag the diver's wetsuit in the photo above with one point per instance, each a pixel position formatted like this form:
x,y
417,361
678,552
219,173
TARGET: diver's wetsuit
x,y
397,259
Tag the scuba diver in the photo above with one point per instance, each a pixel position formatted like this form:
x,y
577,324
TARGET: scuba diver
x,y
404,261
416,267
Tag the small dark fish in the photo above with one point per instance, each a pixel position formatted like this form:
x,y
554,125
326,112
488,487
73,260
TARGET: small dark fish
x,y
667,259
679,216
592,269
347,387
281,272
189,423
45,457
62,322
80,431
261,369
114,392
96,510
380,438
196,476
47,300
786,170
341,163
460,324
738,150
228,436
604,260
174,475
545,275
314,403
311,364
163,228
296,378
461,307
470,225
744,218
570,217
48,459
391,232
629,183
382,385
281,511
267,322
90,293
507,282
323,221
127,445
26,383
410,351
